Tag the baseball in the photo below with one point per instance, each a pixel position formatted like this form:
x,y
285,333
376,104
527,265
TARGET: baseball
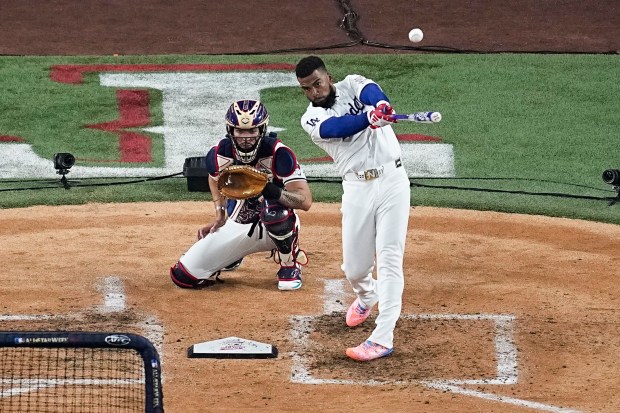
x,y
416,35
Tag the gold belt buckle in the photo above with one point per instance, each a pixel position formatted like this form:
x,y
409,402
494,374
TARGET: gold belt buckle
x,y
370,174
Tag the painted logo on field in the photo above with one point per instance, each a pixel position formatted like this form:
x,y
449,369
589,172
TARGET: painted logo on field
x,y
195,98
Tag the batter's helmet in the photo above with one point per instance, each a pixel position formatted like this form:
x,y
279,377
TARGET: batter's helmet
x,y
247,114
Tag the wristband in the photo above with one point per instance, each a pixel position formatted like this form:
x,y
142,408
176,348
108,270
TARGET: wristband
x,y
272,191
382,102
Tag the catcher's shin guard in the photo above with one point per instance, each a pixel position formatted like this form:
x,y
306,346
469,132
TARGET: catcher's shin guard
x,y
281,225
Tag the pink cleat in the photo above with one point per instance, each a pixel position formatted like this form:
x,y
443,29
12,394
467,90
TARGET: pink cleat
x,y
357,314
368,351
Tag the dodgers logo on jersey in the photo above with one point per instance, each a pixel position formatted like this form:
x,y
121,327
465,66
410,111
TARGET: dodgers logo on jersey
x,y
313,122
356,107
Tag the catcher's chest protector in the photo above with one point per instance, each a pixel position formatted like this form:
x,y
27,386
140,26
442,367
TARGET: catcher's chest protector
x,y
246,211
264,157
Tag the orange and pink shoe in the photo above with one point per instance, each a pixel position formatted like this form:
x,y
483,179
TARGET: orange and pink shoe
x,y
368,351
357,314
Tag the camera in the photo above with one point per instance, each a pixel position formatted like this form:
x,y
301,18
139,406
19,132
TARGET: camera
x,y
63,162
612,177
196,172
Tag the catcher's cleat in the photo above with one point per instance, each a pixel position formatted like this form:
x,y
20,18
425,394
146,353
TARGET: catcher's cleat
x,y
368,351
289,278
233,266
357,314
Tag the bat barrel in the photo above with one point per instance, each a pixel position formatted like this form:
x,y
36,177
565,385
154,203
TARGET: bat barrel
x,y
421,117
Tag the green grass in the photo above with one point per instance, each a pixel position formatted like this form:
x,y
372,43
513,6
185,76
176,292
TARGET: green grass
x,y
536,117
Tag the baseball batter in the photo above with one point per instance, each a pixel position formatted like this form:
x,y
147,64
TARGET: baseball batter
x,y
351,121
266,222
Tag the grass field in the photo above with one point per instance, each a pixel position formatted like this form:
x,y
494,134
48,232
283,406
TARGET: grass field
x,y
520,124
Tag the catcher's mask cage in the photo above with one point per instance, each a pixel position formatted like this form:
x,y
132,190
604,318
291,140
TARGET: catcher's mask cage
x,y
246,114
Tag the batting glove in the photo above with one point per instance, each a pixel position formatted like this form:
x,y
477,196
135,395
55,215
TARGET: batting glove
x,y
381,115
385,107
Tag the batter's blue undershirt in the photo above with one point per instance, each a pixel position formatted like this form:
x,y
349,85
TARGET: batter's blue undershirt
x,y
347,125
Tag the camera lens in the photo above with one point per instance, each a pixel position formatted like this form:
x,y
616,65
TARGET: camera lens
x,y
68,161
63,160
612,176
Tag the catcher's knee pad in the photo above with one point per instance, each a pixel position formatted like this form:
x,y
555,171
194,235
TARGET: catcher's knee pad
x,y
181,277
281,225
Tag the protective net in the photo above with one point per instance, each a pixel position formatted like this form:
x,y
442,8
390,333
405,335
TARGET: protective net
x,y
71,380
77,379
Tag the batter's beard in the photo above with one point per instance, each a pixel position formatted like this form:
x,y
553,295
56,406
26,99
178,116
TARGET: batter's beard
x,y
329,100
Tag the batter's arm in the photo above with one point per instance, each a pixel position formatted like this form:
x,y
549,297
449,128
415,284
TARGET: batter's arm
x,y
343,126
372,94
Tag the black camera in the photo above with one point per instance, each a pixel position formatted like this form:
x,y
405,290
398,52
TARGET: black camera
x,y
612,177
63,162
197,174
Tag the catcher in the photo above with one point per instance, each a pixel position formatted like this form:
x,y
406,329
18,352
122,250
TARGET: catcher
x,y
256,184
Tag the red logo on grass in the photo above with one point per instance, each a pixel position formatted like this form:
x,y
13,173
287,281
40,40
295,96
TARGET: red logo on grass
x,y
8,138
133,108
133,105
74,74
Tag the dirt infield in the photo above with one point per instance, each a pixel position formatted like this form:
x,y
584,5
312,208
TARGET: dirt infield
x,y
522,311
67,27
502,312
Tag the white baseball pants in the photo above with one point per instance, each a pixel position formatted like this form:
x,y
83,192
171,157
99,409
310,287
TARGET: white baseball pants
x,y
223,247
375,215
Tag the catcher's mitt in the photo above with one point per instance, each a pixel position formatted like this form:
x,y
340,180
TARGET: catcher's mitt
x,y
241,182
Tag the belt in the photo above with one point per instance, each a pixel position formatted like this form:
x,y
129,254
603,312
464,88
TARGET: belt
x,y
374,173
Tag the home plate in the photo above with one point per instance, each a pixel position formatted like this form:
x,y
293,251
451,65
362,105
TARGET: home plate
x,y
232,347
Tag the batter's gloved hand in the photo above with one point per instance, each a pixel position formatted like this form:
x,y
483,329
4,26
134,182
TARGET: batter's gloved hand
x,y
381,115
385,107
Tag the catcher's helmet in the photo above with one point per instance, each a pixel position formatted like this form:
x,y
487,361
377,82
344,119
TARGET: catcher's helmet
x,y
247,114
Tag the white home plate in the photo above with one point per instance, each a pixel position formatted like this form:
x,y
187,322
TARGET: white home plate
x,y
232,347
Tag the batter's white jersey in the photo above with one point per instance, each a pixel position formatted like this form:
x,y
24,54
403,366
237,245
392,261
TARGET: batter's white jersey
x,y
375,209
359,151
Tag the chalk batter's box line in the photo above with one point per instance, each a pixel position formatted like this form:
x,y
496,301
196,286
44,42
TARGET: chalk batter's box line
x,y
505,351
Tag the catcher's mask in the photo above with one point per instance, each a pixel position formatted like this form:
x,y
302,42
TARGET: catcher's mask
x,y
246,114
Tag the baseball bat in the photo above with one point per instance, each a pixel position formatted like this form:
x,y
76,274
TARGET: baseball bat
x,y
420,117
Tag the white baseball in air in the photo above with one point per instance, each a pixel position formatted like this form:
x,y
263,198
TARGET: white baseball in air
x,y
436,117
416,35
